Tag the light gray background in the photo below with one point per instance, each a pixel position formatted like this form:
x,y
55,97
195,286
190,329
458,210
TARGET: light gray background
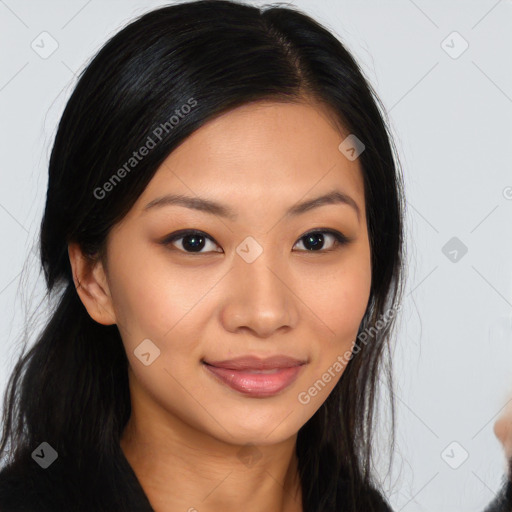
x,y
452,119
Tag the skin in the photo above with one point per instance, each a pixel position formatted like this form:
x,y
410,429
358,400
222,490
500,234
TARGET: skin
x,y
187,429
503,430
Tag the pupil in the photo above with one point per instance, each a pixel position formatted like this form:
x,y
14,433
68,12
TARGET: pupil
x,y
315,239
193,242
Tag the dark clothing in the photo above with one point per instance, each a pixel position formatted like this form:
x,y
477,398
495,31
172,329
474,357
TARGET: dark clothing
x,y
26,487
109,487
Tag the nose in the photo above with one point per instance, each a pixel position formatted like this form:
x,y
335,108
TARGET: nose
x,y
261,298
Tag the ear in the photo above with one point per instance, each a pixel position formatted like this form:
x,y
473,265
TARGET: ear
x,y
91,285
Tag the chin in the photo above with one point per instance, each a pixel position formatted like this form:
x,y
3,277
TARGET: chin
x,y
265,434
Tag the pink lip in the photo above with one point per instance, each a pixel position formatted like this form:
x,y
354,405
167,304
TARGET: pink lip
x,y
249,375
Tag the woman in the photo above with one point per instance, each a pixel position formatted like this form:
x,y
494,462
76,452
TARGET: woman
x,y
223,235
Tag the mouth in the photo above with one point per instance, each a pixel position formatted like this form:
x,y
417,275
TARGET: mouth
x,y
256,377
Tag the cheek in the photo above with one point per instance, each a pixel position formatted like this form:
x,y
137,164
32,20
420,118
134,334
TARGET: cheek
x,y
348,304
338,296
340,305
148,298
340,301
158,301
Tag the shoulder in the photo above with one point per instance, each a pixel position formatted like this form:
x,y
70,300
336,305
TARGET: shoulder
x,y
24,489
71,487
17,491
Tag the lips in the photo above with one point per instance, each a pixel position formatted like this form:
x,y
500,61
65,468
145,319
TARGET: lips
x,y
254,376
255,363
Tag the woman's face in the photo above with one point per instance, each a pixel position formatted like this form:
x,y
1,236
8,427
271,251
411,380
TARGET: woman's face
x,y
250,286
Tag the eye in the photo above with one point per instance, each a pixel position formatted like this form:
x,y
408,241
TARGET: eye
x,y
193,241
314,241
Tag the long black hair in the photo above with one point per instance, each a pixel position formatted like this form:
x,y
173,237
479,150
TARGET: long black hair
x,y
70,389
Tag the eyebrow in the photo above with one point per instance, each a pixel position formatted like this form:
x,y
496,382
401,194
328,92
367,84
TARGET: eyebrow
x,y
214,208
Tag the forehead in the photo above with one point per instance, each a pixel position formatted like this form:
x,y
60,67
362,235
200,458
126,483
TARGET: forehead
x,y
279,152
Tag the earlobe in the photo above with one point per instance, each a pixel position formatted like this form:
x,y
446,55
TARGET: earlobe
x,y
91,285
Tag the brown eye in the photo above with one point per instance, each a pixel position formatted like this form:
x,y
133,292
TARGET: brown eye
x,y
315,241
190,241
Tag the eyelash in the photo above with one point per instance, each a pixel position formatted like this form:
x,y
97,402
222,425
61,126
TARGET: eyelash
x,y
339,240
